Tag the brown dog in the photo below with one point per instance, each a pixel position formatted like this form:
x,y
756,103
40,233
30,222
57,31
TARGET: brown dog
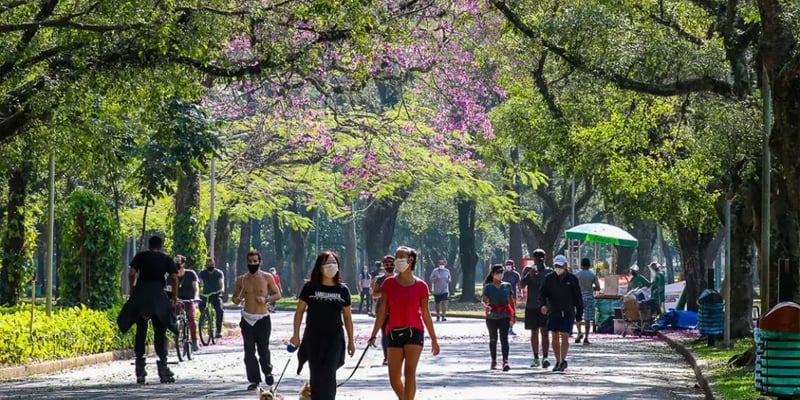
x,y
305,392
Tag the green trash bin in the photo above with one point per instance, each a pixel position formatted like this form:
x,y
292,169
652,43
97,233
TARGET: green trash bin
x,y
778,351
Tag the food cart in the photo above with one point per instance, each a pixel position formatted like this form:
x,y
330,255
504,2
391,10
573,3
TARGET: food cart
x,y
614,286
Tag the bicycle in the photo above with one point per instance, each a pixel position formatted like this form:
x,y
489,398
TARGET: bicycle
x,y
182,339
208,316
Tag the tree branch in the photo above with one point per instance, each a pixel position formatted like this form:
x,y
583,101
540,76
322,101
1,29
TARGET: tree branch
x,y
45,11
62,23
544,90
710,6
671,25
704,84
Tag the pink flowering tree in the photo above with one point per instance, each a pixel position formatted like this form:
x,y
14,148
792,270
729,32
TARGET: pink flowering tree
x,y
370,123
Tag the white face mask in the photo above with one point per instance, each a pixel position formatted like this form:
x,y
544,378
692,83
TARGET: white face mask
x,y
559,270
498,277
330,270
400,265
508,268
441,267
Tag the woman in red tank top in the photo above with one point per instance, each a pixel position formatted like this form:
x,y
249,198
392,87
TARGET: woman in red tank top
x,y
407,298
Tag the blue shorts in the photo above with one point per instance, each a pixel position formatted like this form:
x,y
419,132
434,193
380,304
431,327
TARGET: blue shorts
x,y
557,323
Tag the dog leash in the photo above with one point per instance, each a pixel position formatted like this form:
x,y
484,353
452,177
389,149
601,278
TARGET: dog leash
x,y
354,369
280,378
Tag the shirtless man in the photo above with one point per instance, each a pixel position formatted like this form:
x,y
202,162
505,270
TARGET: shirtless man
x,y
254,290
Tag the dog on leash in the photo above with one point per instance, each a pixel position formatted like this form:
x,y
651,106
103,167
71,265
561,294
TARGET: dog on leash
x,y
305,394
268,395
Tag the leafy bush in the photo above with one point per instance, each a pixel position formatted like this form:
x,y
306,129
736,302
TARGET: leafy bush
x,y
68,332
89,273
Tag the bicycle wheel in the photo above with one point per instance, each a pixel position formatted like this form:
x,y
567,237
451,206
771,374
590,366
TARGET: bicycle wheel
x,y
212,318
187,341
179,340
205,328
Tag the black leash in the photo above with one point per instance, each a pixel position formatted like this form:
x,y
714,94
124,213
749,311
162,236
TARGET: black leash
x,y
280,378
354,369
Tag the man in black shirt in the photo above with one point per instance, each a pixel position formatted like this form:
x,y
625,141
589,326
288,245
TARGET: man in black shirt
x,y
188,290
561,300
148,301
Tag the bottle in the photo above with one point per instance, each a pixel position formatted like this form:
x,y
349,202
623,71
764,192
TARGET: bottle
x,y
291,348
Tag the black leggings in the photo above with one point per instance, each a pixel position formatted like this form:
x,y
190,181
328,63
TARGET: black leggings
x,y
501,325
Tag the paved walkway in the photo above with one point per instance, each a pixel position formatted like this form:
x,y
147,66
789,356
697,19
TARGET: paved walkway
x,y
610,368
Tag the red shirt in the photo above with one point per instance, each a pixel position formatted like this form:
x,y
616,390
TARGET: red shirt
x,y
404,303
277,279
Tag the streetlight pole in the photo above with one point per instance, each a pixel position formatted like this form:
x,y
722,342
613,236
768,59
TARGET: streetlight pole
x,y
48,279
212,223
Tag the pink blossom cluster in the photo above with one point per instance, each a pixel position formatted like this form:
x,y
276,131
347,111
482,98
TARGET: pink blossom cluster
x,y
317,107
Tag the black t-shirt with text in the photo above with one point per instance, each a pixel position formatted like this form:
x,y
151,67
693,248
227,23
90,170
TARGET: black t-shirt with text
x,y
186,286
153,266
325,304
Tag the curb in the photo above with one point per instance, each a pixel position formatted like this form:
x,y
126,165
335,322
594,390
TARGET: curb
x,y
689,357
51,366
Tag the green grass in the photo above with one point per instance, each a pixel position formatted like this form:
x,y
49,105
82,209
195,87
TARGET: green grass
x,y
729,383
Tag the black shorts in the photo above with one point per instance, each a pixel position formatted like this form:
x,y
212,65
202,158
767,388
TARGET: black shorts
x,y
534,319
399,337
438,298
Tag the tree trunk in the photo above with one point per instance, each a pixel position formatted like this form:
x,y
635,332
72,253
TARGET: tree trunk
x,y
515,242
280,259
256,240
667,250
779,59
467,251
14,271
188,237
221,240
624,259
297,242
693,245
350,268
645,233
742,256
245,234
378,226
514,228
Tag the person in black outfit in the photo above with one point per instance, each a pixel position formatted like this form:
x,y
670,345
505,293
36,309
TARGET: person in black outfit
x,y
327,302
149,301
560,299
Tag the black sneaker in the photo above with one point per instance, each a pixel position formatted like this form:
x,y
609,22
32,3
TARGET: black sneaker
x,y
545,363
586,340
563,365
444,318
506,365
578,339
557,367
269,379
252,386
438,318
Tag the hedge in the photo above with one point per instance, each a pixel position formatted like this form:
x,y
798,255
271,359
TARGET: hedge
x,y
69,332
